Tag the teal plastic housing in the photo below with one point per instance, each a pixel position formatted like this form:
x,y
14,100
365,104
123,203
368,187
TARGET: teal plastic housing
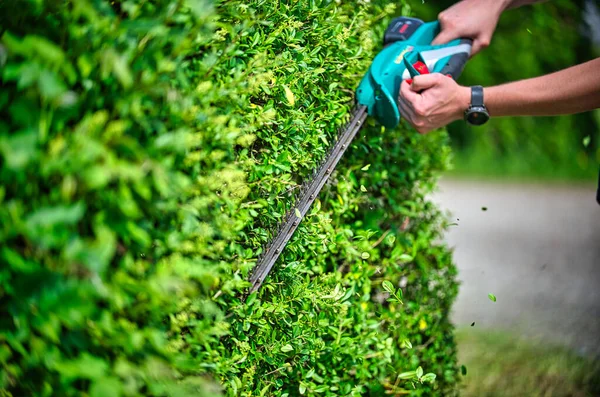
x,y
379,88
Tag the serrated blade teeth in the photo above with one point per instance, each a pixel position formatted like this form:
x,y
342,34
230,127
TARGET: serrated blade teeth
x,y
302,198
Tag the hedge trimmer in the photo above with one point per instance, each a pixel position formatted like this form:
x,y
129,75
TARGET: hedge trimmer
x,y
407,53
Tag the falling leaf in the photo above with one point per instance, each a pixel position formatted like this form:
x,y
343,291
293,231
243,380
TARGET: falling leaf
x,y
366,167
289,95
365,255
473,324
297,212
492,297
586,141
484,208
363,188
463,370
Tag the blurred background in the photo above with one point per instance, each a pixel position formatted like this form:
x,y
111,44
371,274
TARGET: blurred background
x,y
526,226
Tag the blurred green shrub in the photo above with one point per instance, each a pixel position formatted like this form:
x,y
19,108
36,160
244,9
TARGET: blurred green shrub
x,y
529,41
147,148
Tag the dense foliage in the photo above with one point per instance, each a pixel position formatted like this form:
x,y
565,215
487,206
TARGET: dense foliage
x,y
147,148
529,41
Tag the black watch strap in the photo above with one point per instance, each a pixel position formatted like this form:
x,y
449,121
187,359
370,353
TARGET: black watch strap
x,y
477,96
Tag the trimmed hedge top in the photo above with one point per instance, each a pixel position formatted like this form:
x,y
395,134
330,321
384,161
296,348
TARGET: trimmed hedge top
x,y
146,150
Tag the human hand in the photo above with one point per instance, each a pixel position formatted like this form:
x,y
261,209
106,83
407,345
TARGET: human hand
x,y
432,101
473,19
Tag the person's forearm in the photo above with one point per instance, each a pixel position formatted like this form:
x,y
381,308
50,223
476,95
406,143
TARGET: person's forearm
x,y
572,90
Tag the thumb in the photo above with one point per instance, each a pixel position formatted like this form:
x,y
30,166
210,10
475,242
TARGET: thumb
x,y
445,36
424,81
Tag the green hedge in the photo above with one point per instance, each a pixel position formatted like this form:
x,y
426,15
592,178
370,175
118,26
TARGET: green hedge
x,y
146,150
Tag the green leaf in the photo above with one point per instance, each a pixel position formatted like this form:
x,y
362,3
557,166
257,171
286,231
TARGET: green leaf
x,y
106,386
298,213
388,286
407,375
428,377
287,348
19,149
289,95
57,215
406,344
121,71
85,366
366,167
51,86
586,141
419,372
492,297
302,388
365,255
362,188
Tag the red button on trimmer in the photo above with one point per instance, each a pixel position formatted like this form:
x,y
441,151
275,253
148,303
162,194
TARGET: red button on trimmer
x,y
421,67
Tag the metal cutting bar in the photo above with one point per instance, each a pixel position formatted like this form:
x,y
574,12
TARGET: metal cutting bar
x,y
292,220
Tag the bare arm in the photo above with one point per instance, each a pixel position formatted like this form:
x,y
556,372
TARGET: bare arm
x,y
572,90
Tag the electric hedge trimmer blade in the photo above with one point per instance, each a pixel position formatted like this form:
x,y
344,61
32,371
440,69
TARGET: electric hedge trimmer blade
x,y
407,53
307,197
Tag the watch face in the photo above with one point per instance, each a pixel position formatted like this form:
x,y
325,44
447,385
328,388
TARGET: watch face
x,y
477,116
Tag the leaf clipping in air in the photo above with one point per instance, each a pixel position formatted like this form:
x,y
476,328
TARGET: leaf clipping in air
x,y
586,141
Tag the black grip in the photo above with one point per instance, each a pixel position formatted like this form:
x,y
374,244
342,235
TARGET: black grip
x,y
400,29
457,62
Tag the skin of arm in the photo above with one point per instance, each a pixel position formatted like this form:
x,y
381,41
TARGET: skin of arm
x,y
572,90
433,100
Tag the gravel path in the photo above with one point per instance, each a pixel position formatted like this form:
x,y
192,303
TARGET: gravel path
x,y
537,248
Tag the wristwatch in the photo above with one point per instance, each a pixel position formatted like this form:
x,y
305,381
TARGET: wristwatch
x,y
477,113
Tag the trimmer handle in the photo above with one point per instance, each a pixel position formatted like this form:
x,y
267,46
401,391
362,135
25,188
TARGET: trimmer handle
x,y
416,63
456,64
403,28
407,37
